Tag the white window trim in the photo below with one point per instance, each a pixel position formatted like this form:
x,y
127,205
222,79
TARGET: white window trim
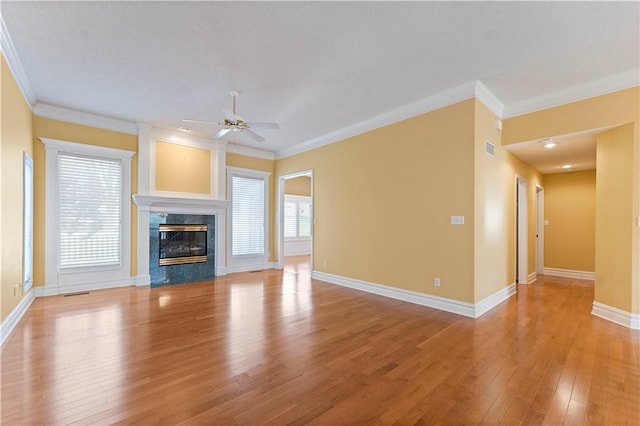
x,y
299,199
247,262
56,281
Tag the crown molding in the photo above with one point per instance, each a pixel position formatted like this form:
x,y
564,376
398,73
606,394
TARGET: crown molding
x,y
489,99
85,118
602,86
431,103
15,65
250,152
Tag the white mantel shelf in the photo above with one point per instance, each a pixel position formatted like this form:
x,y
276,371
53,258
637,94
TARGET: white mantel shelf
x,y
178,204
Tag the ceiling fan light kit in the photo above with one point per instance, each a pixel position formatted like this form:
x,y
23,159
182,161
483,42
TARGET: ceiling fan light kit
x,y
233,123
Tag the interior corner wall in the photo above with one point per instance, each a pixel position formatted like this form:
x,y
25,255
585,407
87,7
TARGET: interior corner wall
x,y
495,208
70,132
16,120
383,202
570,209
253,163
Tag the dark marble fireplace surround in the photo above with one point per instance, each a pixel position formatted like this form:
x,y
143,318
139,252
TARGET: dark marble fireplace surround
x,y
184,273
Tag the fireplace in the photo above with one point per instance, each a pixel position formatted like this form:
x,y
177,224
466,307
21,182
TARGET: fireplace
x,y
182,243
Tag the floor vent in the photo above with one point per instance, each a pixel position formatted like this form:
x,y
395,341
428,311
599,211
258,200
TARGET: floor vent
x,y
490,148
75,294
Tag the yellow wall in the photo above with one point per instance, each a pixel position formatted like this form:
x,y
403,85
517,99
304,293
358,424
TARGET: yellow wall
x,y
300,185
182,168
244,162
383,202
15,139
570,209
612,109
613,279
54,129
614,229
495,201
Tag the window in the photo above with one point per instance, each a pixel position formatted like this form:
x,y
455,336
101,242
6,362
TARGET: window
x,y
248,192
297,216
90,211
88,216
27,223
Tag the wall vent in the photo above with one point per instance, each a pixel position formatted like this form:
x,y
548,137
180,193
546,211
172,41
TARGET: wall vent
x,y
490,148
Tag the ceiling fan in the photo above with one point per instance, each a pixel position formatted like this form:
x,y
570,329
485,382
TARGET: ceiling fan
x,y
235,123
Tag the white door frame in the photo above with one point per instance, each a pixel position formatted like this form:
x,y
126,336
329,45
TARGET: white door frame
x,y
280,218
522,260
539,230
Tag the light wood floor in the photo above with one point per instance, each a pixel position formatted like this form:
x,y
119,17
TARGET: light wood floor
x,y
275,347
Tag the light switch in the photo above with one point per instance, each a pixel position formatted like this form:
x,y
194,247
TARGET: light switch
x,y
457,220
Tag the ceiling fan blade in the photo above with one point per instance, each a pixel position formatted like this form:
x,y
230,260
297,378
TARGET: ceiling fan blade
x,y
273,126
221,133
253,135
188,120
229,115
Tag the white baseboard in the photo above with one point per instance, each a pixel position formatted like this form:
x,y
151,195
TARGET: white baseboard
x,y
142,280
247,268
15,316
54,291
442,303
616,315
493,300
569,273
532,278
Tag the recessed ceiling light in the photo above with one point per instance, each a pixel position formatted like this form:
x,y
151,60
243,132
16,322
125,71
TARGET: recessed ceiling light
x,y
566,166
549,143
185,129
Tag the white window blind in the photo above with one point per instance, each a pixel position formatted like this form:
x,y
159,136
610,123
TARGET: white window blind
x,y
304,219
290,219
27,215
297,217
247,216
89,211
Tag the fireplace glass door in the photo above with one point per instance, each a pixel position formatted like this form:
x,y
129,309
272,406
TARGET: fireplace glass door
x,y
180,244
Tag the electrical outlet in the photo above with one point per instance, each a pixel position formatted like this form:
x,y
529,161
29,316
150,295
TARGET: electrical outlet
x,y
457,220
324,262
436,282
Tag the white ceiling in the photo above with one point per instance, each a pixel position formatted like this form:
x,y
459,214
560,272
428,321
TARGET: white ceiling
x,y
313,67
576,150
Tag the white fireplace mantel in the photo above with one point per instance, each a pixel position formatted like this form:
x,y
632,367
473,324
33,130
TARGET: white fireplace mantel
x,y
197,205
178,205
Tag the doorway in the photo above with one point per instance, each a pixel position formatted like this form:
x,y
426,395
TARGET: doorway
x,y
294,216
522,263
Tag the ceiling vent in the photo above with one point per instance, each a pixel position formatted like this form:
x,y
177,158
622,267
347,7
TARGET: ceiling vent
x,y
489,148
